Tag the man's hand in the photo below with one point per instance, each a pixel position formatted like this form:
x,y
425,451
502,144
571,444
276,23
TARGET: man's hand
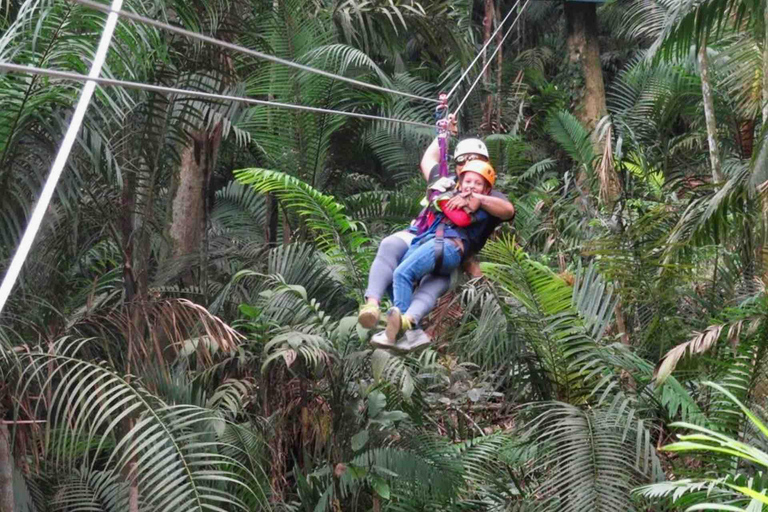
x,y
472,267
452,124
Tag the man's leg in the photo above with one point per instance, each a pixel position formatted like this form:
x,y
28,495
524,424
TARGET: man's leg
x,y
390,252
425,298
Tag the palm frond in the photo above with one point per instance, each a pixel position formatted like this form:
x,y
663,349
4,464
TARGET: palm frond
x,y
334,232
168,451
573,138
594,456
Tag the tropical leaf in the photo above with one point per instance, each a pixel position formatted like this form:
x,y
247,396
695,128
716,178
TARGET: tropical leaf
x,y
166,449
334,232
592,456
700,343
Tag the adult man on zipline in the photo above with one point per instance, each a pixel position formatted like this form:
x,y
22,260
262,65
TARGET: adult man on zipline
x,y
392,248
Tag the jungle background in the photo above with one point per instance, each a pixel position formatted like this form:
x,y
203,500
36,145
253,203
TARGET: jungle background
x,y
183,335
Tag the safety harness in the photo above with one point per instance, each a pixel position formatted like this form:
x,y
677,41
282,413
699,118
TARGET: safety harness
x,y
439,187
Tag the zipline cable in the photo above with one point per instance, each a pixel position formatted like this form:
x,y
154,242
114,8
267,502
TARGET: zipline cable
x,y
38,213
242,49
481,52
16,68
501,44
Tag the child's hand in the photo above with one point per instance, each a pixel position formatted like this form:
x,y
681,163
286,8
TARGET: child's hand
x,y
459,201
472,267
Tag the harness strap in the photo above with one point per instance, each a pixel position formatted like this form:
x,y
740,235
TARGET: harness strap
x,y
442,132
439,245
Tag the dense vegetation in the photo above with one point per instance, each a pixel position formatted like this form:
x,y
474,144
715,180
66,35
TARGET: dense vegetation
x,y
184,337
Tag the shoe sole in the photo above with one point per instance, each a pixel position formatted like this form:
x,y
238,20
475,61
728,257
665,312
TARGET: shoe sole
x,y
368,319
393,325
405,347
383,346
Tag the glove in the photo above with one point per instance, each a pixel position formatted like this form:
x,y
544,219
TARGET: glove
x,y
444,184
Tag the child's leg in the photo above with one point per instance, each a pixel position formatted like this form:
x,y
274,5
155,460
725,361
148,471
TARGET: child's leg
x,y
417,263
391,251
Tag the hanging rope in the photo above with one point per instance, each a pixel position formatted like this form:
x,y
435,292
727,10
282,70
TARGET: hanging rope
x,y
442,132
501,44
482,51
38,213
243,49
199,94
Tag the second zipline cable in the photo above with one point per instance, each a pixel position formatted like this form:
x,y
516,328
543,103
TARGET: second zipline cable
x,y
498,48
16,68
242,49
481,52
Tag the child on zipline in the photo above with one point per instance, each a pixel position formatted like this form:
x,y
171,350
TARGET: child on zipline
x,y
442,244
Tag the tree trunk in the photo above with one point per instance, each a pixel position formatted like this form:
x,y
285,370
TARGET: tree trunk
x,y
765,67
188,218
487,26
128,204
6,471
746,137
499,69
761,158
133,490
621,323
273,214
584,55
709,115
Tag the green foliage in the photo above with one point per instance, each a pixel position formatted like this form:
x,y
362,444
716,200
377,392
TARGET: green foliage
x,y
740,489
334,232
235,377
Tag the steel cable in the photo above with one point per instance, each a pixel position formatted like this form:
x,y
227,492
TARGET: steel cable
x,y
482,50
16,68
501,44
242,49
36,219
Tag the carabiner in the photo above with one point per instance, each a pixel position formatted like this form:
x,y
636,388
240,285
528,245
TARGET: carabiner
x,y
441,122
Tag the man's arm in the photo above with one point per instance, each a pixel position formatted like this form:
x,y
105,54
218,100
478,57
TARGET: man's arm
x,y
430,159
497,206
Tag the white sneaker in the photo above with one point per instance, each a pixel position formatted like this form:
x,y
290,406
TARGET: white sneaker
x,y
381,340
414,340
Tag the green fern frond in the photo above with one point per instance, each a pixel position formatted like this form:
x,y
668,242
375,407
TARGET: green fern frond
x,y
337,235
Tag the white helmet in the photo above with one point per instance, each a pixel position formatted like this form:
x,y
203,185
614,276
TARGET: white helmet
x,y
471,146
